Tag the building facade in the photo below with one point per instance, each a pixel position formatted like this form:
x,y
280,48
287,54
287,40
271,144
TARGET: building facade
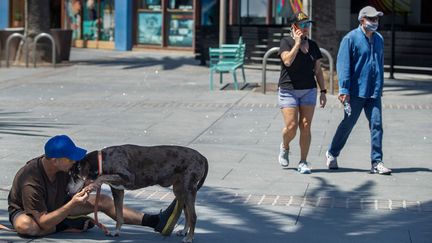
x,y
194,25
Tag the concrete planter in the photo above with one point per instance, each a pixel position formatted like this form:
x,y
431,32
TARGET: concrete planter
x,y
63,41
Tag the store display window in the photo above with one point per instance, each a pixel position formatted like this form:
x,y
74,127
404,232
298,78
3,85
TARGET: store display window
x,y
91,20
17,14
149,28
150,5
165,23
180,29
149,22
180,4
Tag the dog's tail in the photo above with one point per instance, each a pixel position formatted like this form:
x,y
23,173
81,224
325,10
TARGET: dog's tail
x,y
201,182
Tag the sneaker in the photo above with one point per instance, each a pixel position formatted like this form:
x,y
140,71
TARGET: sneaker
x,y
379,168
331,161
78,223
303,167
283,156
168,218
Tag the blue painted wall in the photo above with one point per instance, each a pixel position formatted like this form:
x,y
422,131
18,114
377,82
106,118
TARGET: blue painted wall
x,y
123,24
4,14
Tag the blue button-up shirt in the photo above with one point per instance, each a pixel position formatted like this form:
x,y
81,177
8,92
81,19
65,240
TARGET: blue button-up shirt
x,y
360,64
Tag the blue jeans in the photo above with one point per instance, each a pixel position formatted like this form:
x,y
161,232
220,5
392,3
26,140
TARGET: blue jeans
x,y
373,112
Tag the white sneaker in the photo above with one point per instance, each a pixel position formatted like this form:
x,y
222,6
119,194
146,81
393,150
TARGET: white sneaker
x,y
331,161
379,168
283,156
303,167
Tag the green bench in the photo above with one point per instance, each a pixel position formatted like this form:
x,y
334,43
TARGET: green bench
x,y
227,58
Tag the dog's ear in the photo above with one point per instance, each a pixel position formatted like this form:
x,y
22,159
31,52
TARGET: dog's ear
x,y
88,166
74,170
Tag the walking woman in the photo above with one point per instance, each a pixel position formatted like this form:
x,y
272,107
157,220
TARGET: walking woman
x,y
300,73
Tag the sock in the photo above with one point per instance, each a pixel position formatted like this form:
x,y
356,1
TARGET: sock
x,y
61,227
150,220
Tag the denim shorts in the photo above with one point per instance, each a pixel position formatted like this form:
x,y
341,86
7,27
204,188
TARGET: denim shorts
x,y
294,98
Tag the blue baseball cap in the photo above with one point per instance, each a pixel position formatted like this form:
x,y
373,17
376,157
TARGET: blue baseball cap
x,y
61,146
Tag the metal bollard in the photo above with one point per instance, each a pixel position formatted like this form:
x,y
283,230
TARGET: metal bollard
x,y
14,35
39,36
330,58
264,69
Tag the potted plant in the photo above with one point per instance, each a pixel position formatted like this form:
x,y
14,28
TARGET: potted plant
x,y
17,19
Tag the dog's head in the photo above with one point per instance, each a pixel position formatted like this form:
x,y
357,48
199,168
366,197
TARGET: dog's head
x,y
82,172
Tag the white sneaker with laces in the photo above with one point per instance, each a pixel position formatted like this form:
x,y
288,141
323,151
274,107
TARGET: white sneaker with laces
x,y
379,168
283,156
331,161
303,167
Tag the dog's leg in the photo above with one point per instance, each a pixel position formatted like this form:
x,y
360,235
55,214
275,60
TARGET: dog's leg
x,y
118,196
184,231
190,216
180,192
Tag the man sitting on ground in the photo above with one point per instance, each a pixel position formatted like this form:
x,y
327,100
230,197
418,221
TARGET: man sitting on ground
x,y
39,204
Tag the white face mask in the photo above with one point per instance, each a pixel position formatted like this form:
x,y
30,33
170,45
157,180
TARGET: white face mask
x,y
370,26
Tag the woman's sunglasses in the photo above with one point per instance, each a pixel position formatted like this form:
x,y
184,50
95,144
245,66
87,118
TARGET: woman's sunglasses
x,y
304,25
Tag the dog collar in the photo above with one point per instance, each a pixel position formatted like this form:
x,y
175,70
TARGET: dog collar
x,y
99,163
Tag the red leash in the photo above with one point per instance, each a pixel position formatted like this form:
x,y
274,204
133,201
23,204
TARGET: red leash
x,y
99,224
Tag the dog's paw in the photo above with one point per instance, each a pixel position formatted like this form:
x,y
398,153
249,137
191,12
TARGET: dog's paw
x,y
187,240
114,234
181,233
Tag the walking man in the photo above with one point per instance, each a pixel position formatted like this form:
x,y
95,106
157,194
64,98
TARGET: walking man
x,y
360,70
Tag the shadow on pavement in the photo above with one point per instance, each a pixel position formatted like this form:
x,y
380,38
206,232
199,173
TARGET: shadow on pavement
x,y
19,123
167,63
419,87
222,221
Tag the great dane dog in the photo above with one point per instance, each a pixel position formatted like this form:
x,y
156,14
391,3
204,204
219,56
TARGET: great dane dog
x,y
132,167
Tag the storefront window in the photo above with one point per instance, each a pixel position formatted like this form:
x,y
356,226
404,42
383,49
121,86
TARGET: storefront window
x,y
73,17
180,23
107,17
90,19
172,26
149,28
253,12
17,14
209,12
149,22
180,29
98,20
180,4
150,4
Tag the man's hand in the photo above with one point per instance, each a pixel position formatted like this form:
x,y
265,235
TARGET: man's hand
x,y
93,185
323,100
81,197
343,97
